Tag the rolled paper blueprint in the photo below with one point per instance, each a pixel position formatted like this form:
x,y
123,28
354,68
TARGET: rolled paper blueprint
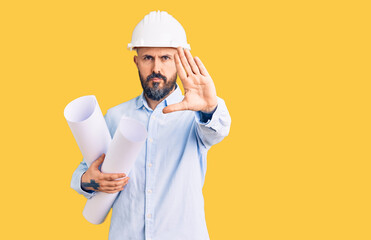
x,y
88,126
120,158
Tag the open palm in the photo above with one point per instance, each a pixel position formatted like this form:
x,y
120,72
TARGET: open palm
x,y
199,88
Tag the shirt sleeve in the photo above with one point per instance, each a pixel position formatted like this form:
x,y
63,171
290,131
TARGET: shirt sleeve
x,y
212,128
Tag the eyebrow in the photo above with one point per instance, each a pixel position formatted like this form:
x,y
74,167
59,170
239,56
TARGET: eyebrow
x,y
147,55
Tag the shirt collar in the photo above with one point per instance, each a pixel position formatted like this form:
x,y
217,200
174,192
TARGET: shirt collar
x,y
141,100
174,97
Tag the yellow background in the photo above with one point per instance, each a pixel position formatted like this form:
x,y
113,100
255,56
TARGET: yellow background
x,y
295,76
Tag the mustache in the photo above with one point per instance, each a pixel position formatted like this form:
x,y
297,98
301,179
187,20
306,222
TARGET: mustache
x,y
156,75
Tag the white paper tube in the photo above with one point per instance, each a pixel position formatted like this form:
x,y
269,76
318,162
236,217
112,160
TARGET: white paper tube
x,y
88,126
121,155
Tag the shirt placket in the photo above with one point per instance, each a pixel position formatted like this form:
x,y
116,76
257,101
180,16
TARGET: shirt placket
x,y
150,157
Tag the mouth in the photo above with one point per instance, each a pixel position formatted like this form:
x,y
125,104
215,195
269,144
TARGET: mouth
x,y
156,79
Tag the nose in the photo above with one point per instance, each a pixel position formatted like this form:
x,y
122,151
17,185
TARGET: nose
x,y
157,66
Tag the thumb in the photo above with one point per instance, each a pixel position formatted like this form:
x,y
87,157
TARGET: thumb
x,y
99,161
175,107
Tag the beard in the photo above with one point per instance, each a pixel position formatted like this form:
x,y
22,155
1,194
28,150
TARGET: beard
x,y
155,92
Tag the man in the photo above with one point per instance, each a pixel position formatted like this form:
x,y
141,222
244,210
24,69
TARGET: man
x,y
163,199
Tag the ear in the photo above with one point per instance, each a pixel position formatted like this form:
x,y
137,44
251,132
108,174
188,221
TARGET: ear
x,y
136,60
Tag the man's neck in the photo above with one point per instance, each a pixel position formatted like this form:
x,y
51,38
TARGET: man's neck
x,y
153,103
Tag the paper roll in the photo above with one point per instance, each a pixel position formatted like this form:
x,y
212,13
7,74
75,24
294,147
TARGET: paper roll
x,y
88,126
120,158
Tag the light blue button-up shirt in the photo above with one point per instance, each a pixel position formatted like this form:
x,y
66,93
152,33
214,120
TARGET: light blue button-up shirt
x,y
163,199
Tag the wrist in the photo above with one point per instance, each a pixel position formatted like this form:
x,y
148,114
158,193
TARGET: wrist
x,y
210,110
85,183
83,177
205,117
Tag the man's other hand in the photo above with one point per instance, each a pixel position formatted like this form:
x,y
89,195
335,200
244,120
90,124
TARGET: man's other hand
x,y
93,179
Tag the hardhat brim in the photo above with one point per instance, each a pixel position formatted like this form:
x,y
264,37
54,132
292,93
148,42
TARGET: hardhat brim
x,y
131,46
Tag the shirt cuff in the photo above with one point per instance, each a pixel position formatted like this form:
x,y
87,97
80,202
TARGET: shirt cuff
x,y
210,119
204,118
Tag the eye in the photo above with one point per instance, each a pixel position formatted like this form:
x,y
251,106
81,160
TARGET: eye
x,y
165,57
148,57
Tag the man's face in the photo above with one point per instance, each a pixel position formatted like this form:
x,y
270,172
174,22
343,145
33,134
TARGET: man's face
x,y
157,71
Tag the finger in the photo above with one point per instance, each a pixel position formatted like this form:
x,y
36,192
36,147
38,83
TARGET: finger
x,y
179,68
184,61
111,184
99,161
191,62
113,176
113,191
175,107
112,188
201,67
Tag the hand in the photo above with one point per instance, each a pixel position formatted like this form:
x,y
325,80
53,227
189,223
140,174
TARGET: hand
x,y
199,88
94,179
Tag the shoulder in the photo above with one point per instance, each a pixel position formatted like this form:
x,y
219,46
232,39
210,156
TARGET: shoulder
x,y
118,110
115,113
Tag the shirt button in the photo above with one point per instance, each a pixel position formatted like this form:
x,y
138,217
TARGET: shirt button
x,y
143,108
149,191
150,139
154,118
149,164
149,215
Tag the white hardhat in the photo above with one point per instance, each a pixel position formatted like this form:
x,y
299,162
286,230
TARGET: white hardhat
x,y
159,29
